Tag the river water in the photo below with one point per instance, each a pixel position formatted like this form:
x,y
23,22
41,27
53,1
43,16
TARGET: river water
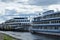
x,y
30,36
45,37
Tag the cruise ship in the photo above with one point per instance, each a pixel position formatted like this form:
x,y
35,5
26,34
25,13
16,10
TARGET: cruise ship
x,y
46,23
17,23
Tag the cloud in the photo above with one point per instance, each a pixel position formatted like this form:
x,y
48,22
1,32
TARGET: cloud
x,y
43,2
55,7
15,1
18,8
10,8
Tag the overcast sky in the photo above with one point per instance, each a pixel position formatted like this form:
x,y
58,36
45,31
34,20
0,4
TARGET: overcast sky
x,y
16,7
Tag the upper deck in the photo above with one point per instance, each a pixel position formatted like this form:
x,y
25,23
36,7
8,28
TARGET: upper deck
x,y
48,16
52,17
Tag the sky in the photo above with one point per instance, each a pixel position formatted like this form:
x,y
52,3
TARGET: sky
x,y
10,8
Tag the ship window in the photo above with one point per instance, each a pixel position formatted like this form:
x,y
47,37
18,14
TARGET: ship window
x,y
56,27
59,21
53,21
52,15
40,27
35,19
59,27
36,27
45,27
58,15
53,27
49,27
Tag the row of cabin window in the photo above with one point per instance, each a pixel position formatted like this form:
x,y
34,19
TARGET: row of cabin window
x,y
18,21
47,22
48,16
52,16
55,21
47,27
19,24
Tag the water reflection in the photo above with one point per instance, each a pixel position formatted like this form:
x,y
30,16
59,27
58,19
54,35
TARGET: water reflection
x,y
45,37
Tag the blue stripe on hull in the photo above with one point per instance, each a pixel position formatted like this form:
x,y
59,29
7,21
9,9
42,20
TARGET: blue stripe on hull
x,y
51,31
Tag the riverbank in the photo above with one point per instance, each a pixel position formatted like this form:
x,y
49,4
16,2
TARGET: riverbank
x,y
4,36
27,36
18,35
7,37
1,36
